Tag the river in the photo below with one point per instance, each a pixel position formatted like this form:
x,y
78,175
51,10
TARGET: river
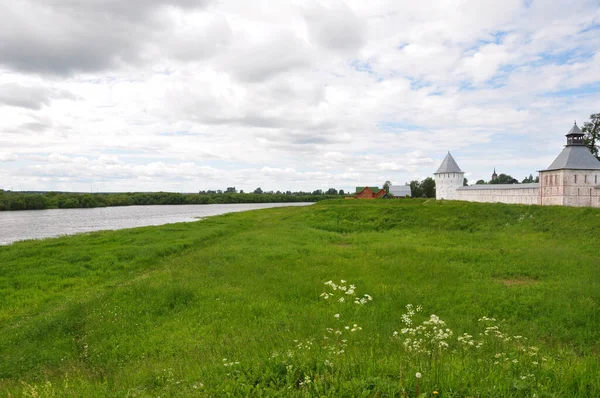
x,y
38,224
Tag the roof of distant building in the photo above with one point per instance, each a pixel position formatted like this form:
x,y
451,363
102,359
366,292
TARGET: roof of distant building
x,y
373,189
448,165
575,157
400,190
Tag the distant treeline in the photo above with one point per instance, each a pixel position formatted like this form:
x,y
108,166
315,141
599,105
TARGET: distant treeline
x,y
59,200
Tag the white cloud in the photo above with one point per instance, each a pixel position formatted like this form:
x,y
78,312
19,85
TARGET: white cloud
x,y
192,94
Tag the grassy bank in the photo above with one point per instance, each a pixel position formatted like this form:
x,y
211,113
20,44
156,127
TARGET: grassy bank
x,y
238,304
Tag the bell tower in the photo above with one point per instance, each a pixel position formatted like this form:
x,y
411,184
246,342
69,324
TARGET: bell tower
x,y
575,136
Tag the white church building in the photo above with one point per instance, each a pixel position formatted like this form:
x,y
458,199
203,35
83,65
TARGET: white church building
x,y
573,179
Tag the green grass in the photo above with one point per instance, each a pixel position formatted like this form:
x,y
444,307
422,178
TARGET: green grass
x,y
155,311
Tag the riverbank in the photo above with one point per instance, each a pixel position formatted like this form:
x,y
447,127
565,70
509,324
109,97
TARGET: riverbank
x,y
65,200
238,304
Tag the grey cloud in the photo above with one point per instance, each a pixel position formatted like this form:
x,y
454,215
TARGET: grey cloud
x,y
64,36
33,98
129,9
260,62
336,28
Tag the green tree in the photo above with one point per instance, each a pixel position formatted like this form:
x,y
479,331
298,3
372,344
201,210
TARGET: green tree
x,y
480,182
528,180
591,131
428,187
341,192
465,182
386,186
504,179
415,189
258,191
332,191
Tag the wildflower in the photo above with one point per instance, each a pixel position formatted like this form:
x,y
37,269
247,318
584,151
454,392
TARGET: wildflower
x,y
337,316
341,300
435,393
418,375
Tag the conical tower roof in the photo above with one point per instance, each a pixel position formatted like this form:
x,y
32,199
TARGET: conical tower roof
x,y
575,158
575,130
575,155
448,166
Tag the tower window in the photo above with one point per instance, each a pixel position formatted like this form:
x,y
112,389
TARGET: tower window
x,y
585,178
546,180
595,179
575,177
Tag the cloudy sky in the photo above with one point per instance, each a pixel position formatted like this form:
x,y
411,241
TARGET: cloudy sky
x,y
186,95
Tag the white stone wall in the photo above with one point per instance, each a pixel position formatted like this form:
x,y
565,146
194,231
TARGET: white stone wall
x,y
446,185
526,196
578,188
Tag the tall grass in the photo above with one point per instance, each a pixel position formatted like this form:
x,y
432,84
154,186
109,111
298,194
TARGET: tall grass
x,y
244,304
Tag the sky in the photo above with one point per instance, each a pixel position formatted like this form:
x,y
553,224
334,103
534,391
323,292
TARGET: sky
x,y
189,95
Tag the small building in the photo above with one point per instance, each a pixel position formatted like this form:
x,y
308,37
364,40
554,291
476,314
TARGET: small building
x,y
369,193
400,191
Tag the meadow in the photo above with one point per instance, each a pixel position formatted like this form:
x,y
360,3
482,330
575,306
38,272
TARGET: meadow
x,y
387,298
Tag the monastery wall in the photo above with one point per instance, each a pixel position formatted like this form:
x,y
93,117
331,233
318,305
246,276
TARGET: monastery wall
x,y
526,194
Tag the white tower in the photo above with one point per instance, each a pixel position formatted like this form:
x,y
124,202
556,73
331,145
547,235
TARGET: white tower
x,y
448,178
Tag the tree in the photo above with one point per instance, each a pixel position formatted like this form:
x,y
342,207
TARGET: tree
x,y
415,189
230,190
258,191
386,186
332,191
480,182
591,131
504,179
428,187
528,180
317,192
341,192
465,182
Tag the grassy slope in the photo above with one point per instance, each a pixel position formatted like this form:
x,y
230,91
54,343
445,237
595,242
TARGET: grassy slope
x,y
155,310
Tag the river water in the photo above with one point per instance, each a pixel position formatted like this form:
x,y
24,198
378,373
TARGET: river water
x,y
37,224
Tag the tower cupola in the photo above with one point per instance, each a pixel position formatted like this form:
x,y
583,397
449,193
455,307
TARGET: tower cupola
x,y
574,136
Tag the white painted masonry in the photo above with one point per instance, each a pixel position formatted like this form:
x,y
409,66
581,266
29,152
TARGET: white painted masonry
x,y
573,179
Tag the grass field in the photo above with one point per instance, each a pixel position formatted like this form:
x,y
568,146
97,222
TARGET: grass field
x,y
239,305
